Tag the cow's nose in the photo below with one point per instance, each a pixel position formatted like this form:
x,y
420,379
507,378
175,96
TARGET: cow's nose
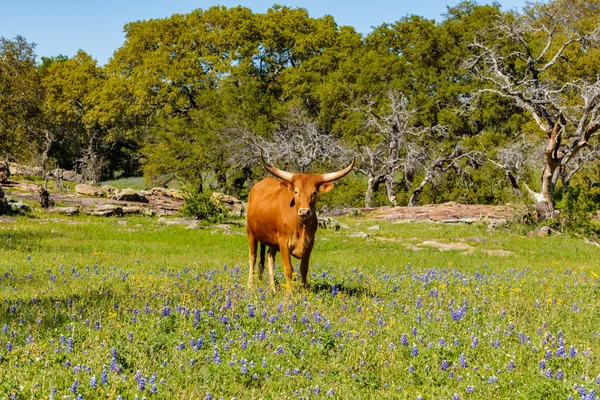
x,y
304,212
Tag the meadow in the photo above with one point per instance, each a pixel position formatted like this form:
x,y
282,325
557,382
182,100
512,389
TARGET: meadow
x,y
129,308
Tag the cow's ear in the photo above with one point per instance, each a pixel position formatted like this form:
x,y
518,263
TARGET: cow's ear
x,y
325,187
287,185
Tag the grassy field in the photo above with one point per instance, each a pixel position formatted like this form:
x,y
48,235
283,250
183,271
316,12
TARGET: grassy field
x,y
119,308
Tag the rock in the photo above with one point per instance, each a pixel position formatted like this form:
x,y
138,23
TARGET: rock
x,y
447,246
374,228
68,211
19,169
4,172
88,190
545,231
18,206
105,210
228,204
128,195
359,234
72,176
132,210
476,239
173,193
329,223
122,222
414,248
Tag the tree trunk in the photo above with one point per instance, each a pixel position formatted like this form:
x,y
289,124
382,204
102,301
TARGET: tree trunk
x,y
372,186
412,202
391,190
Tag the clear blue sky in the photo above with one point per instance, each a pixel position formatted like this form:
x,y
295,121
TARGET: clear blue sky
x,y
65,26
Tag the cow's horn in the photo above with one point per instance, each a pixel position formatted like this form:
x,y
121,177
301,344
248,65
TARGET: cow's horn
x,y
333,176
286,176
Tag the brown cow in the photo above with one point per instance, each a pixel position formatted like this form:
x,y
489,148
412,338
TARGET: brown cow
x,y
281,215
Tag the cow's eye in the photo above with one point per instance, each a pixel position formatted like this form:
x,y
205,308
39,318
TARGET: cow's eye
x,y
315,192
295,192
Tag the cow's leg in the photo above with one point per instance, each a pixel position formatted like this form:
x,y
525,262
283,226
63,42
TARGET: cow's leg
x,y
304,267
252,242
271,266
287,264
261,261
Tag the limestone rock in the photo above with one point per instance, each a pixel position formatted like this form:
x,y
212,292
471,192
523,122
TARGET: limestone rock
x,y
175,194
88,190
129,195
228,203
106,210
18,206
545,231
447,246
19,169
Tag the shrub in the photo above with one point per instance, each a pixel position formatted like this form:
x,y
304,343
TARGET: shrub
x,y
200,205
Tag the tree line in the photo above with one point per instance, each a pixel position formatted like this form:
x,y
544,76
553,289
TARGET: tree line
x,y
484,106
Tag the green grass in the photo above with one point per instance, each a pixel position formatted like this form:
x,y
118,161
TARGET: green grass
x,y
150,291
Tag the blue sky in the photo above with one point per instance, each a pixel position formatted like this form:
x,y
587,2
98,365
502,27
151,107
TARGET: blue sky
x,y
65,26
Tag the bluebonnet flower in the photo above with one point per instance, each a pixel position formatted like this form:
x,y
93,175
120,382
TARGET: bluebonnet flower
x,y
548,354
542,364
462,360
411,369
94,382
572,352
444,365
511,365
469,389
330,392
404,339
415,351
216,357
474,342
549,373
559,374
74,386
104,376
244,369
9,347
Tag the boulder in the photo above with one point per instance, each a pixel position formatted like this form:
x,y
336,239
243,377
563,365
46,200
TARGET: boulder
x,y
72,176
20,169
18,206
129,195
106,210
4,172
88,190
228,204
173,193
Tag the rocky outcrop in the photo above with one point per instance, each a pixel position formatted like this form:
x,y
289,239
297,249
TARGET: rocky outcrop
x,y
105,210
228,204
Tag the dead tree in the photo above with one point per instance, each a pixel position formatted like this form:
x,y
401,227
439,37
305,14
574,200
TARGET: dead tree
x,y
435,165
517,62
391,125
296,144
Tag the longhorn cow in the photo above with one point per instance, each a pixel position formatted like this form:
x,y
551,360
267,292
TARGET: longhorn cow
x,y
281,215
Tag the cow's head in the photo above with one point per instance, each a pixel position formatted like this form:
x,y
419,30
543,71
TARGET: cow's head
x,y
306,187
